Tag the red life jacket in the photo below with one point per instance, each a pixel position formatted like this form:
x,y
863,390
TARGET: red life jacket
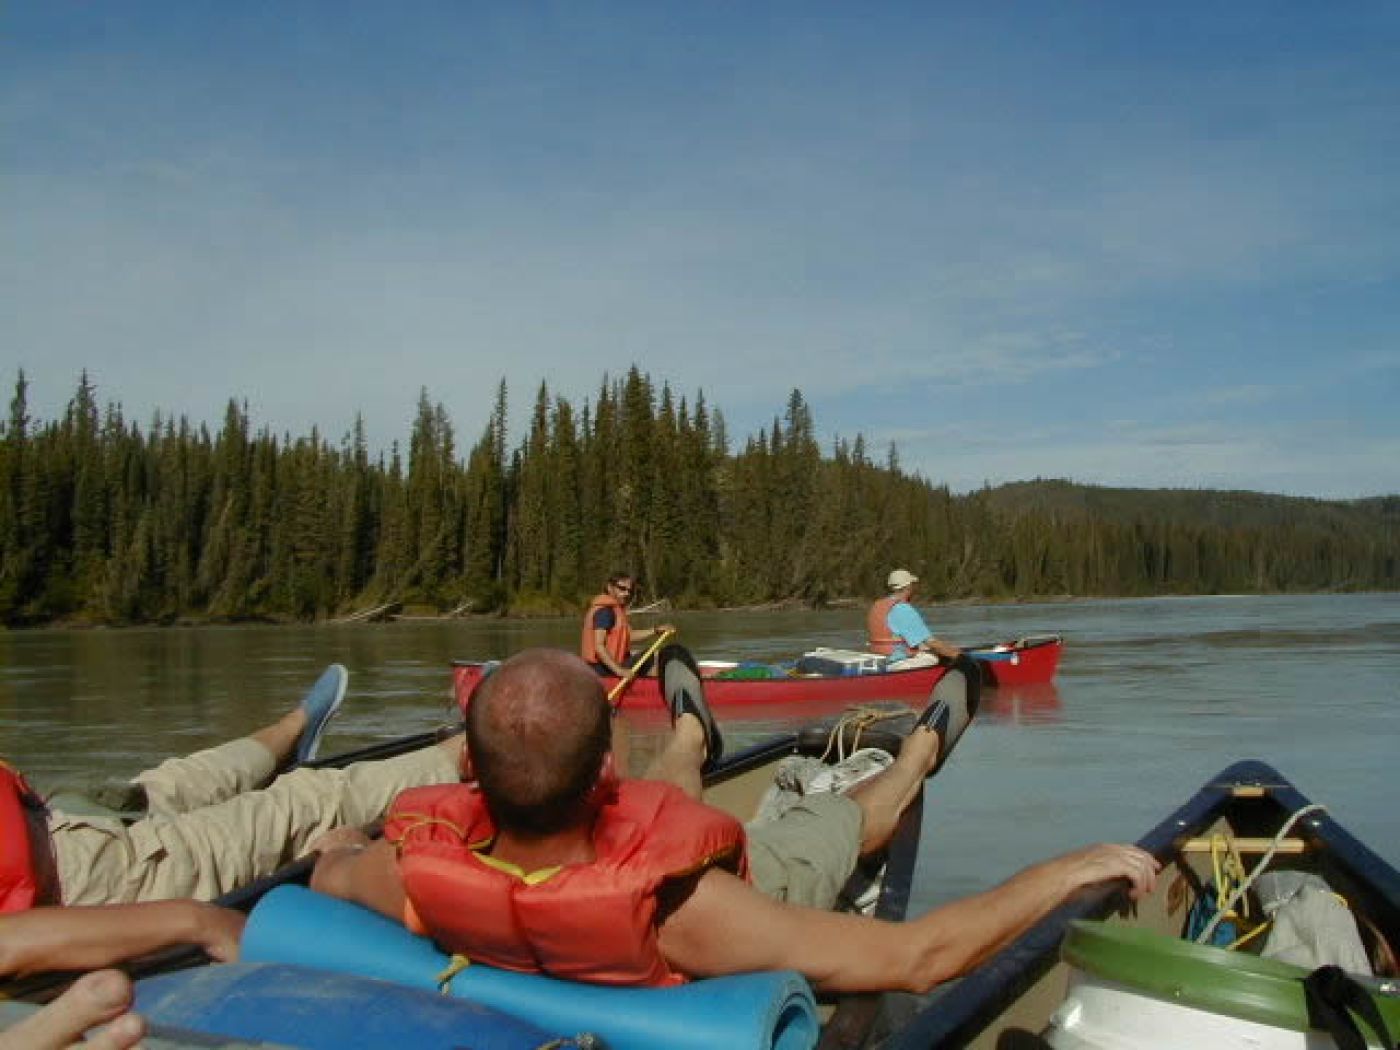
x,y
585,922
618,641
19,878
879,637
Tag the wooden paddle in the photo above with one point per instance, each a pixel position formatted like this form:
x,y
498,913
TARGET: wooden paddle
x,y
615,693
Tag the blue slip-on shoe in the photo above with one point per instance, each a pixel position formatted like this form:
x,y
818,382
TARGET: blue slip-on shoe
x,y
952,706
321,703
684,693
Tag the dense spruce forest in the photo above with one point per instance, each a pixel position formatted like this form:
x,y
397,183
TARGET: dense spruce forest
x,y
103,521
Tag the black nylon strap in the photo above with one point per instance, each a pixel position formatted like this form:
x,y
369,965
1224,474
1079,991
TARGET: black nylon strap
x,y
1330,994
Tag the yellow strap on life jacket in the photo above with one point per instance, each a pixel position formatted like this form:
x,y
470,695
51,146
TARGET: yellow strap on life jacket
x,y
455,965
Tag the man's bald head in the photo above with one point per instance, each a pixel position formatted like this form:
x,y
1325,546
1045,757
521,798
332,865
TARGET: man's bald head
x,y
538,731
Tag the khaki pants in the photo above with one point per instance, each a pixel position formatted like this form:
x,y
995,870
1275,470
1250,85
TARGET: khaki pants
x,y
210,831
806,854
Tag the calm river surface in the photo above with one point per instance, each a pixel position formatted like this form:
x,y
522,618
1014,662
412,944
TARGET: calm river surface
x,y
1153,697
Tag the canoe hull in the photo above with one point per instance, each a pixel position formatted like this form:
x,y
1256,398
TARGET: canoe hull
x,y
1028,661
913,686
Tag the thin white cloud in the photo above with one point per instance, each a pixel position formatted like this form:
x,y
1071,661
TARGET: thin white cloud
x,y
891,237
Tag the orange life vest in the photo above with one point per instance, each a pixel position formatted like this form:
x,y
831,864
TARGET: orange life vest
x,y
879,638
618,641
585,922
19,879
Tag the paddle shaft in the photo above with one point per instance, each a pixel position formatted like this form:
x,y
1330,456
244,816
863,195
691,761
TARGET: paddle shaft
x,y
615,693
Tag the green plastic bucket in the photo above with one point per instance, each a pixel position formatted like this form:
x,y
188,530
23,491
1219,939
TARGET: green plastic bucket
x,y
1133,988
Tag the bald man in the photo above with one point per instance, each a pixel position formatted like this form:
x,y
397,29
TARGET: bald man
x,y
550,863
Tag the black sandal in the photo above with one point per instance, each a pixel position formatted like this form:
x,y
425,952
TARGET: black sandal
x,y
685,694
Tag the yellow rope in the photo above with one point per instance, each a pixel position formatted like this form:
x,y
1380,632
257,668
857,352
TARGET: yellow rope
x,y
1251,935
1227,903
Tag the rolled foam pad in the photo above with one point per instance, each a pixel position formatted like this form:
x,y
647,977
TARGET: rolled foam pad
x,y
760,1011
317,1010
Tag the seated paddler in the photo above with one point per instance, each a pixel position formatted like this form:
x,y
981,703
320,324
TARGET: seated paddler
x,y
545,860
895,628
608,634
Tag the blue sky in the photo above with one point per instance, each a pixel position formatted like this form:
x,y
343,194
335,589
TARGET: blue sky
x,y
1122,243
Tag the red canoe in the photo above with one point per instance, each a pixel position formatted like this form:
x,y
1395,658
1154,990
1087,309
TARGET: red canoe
x,y
1014,663
1027,661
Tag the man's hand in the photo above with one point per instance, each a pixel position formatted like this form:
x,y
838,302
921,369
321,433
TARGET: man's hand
x,y
940,648
367,876
219,931
1105,863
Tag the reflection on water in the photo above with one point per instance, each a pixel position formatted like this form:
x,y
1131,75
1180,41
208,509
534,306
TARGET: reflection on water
x,y
1153,697
1023,703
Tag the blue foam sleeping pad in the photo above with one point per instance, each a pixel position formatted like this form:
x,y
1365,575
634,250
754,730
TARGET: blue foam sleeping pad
x,y
314,1010
762,1011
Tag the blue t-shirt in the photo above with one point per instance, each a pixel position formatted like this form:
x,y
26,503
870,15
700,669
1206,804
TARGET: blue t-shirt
x,y
908,626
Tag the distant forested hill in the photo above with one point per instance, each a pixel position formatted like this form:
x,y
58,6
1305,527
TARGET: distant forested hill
x,y
1206,541
103,520
1225,508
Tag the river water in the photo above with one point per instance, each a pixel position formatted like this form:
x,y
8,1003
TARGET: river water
x,y
1153,697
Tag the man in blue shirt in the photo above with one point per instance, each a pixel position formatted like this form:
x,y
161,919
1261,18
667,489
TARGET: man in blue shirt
x,y
896,628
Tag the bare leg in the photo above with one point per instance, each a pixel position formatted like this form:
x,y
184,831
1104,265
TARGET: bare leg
x,y
884,798
281,737
94,999
214,775
680,763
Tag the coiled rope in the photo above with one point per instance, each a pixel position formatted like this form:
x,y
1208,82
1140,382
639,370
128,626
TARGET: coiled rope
x,y
1228,906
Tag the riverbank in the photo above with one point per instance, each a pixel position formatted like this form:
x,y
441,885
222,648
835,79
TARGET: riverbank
x,y
537,610
532,612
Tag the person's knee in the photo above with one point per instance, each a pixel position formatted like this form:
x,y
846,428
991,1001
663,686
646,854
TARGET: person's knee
x,y
807,854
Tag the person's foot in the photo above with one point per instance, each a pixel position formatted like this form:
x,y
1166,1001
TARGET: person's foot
x,y
951,707
321,703
685,695
93,999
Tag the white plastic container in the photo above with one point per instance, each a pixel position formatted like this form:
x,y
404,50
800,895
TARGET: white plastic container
x,y
1131,989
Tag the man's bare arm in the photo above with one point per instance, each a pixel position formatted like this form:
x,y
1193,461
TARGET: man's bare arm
x,y
367,875
85,938
938,647
726,926
601,654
